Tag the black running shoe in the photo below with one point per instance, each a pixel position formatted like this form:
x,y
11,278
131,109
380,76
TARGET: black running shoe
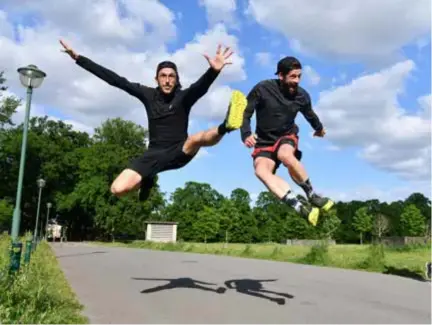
x,y
321,202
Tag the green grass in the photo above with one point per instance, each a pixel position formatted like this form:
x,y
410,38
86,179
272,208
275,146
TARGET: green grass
x,y
406,261
39,293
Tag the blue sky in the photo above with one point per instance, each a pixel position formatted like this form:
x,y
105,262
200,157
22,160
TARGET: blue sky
x,y
346,173
230,165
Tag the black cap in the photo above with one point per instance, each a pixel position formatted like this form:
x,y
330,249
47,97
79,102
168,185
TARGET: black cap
x,y
172,65
288,63
166,64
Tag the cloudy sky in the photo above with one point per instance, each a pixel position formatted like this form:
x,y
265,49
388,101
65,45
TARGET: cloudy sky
x,y
366,64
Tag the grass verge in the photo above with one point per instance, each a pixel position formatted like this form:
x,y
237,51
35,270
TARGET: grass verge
x,y
39,293
408,261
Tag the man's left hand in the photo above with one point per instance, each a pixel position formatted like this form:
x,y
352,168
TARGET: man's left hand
x,y
320,133
221,58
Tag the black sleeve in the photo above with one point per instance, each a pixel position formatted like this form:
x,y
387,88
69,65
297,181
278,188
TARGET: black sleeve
x,y
113,79
310,114
200,87
253,99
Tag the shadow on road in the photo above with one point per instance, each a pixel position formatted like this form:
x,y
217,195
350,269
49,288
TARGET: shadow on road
x,y
255,288
404,273
81,254
180,283
245,286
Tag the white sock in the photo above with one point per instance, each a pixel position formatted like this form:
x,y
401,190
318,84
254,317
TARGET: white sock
x,y
291,199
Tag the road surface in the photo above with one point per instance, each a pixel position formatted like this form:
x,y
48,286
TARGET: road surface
x,y
125,285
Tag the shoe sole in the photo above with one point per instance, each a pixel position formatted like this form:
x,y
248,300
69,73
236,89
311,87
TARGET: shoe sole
x,y
313,216
237,107
328,205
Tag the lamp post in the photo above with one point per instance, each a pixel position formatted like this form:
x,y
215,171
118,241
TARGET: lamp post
x,y
41,184
30,77
49,205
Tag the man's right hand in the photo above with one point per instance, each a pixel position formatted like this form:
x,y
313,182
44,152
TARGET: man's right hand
x,y
68,50
250,141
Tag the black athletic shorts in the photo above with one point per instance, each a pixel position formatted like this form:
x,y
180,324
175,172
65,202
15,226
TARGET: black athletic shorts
x,y
156,160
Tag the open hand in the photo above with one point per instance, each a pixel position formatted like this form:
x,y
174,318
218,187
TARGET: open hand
x,y
221,58
69,50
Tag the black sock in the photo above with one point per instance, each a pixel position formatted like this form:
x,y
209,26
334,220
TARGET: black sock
x,y
222,129
307,187
291,200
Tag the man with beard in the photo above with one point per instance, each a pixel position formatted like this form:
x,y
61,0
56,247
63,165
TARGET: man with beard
x,y
277,102
168,107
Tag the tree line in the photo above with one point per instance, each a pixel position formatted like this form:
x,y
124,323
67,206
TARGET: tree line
x,y
78,169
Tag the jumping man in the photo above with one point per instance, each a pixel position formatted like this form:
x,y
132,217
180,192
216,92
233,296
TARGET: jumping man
x,y
168,107
277,102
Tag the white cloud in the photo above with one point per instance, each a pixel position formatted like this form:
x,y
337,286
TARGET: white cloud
x,y
220,11
114,37
355,29
391,194
366,114
263,58
311,76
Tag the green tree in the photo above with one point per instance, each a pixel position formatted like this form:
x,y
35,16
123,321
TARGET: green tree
x,y
362,222
8,104
380,225
187,202
412,221
6,211
206,227
329,225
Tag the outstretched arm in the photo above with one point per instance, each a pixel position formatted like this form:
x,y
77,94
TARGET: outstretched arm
x,y
312,117
103,73
200,87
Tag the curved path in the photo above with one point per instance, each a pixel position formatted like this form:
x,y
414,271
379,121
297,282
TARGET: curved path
x,y
125,285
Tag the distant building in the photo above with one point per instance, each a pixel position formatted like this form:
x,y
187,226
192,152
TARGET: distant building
x,y
161,231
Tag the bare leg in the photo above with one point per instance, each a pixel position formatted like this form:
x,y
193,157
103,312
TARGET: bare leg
x,y
295,167
211,137
264,171
127,181
299,175
206,138
281,189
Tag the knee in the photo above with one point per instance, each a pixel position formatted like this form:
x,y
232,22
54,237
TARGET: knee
x,y
116,189
262,173
288,159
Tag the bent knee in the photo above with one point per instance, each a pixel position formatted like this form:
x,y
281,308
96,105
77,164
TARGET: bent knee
x,y
128,180
288,159
263,170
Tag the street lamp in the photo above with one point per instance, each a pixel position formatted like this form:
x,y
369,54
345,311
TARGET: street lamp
x,y
30,77
49,205
41,184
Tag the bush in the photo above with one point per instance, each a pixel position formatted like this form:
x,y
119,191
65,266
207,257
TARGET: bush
x,y
38,293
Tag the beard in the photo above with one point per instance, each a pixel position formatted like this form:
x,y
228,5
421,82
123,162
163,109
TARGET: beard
x,y
291,88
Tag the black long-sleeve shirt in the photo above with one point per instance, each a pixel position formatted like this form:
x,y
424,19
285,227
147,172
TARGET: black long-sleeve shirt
x,y
276,112
168,115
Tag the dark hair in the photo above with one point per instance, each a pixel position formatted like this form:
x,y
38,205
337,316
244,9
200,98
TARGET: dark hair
x,y
169,64
288,63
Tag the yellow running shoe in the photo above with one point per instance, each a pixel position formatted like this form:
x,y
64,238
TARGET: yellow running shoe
x,y
237,106
311,213
323,203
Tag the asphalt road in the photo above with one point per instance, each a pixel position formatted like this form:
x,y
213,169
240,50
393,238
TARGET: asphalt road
x,y
125,285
